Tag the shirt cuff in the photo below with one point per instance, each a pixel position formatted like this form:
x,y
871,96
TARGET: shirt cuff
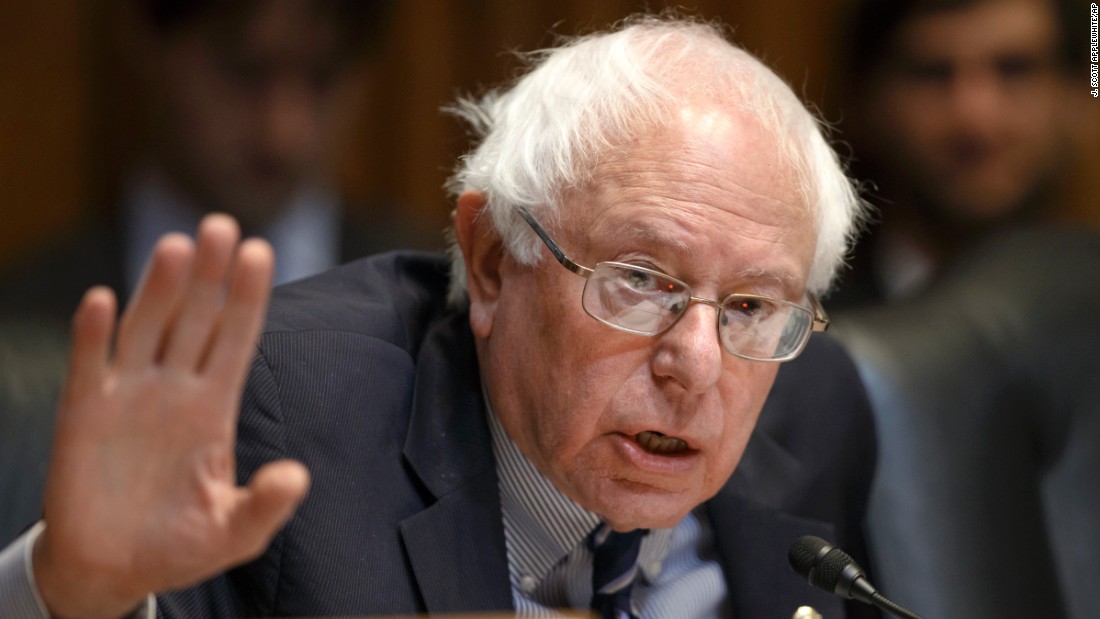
x,y
19,596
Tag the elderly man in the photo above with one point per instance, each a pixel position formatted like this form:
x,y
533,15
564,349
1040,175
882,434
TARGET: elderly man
x,y
641,236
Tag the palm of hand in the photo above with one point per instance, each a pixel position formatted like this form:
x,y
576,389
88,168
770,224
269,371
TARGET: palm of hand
x,y
142,493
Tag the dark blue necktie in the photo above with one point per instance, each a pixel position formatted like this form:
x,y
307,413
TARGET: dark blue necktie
x,y
614,565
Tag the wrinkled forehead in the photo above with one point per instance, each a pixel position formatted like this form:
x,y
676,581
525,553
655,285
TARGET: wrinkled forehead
x,y
718,151
710,184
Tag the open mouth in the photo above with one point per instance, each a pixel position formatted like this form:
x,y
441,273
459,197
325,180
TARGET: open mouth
x,y
661,444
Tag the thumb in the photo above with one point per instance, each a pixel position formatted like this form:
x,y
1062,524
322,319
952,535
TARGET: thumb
x,y
267,503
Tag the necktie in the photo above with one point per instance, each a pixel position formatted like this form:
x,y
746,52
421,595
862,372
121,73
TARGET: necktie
x,y
614,565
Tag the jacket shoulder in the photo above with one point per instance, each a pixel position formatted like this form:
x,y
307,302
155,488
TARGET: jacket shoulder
x,y
391,296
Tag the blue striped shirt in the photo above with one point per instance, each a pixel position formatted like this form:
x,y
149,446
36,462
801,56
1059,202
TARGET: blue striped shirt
x,y
550,566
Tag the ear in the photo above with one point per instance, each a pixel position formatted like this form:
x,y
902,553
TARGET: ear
x,y
483,252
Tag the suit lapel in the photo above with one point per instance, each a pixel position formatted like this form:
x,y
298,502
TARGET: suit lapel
x,y
753,534
456,545
456,549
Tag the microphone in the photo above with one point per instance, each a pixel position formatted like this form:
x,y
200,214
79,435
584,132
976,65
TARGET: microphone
x,y
830,568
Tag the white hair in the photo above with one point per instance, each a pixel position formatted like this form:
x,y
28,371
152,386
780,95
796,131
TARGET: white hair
x,y
543,136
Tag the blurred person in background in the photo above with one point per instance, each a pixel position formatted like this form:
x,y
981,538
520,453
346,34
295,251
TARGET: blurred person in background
x,y
248,106
970,309
961,115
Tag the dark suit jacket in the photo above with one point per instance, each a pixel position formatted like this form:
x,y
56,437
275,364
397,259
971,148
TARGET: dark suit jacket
x,y
365,377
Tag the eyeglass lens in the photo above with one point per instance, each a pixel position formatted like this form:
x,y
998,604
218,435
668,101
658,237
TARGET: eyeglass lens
x,y
647,302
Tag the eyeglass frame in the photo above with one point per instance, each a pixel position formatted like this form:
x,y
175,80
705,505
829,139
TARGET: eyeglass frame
x,y
820,320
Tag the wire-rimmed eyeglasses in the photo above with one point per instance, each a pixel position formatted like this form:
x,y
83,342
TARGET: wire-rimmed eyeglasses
x,y
643,301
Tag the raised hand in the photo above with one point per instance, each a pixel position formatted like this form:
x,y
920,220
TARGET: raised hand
x,y
141,494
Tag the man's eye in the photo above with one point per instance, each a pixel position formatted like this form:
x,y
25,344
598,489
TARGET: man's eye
x,y
928,72
748,310
1018,67
747,307
640,280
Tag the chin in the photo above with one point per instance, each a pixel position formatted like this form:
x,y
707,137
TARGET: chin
x,y
628,505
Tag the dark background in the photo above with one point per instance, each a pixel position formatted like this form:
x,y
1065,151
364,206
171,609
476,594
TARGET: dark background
x,y
67,130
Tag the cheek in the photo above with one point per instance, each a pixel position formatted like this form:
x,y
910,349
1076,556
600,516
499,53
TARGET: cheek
x,y
914,122
209,130
583,371
338,116
743,396
1035,133
576,370
537,362
198,94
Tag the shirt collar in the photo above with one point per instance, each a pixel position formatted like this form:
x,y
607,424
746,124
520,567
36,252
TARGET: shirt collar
x,y
305,234
542,524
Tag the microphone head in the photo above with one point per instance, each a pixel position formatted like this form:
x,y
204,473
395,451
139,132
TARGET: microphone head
x,y
824,565
804,554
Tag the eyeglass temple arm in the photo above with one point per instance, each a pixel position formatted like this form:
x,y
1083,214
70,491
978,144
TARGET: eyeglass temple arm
x,y
551,245
821,319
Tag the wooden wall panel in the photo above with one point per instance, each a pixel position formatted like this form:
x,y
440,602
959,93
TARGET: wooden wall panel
x,y
42,121
441,48
64,138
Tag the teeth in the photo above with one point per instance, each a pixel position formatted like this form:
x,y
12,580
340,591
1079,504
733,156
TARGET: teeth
x,y
655,442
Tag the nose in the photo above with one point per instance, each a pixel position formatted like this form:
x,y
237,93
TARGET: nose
x,y
289,123
976,100
689,353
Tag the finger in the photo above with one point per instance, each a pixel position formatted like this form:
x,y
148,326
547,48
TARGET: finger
x,y
217,239
243,314
144,323
266,504
89,366
93,324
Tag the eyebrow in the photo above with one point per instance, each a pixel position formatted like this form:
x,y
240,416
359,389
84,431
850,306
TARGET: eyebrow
x,y
649,236
759,273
